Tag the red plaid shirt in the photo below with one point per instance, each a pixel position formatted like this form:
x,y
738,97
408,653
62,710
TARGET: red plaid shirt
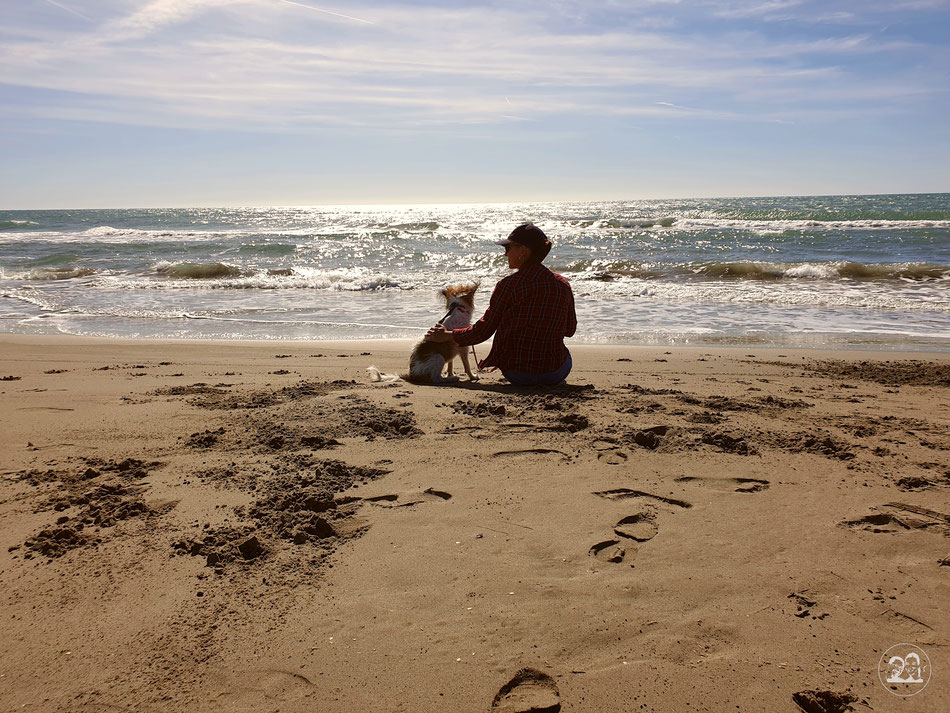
x,y
530,313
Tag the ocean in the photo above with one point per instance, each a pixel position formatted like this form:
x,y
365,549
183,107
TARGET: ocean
x,y
820,271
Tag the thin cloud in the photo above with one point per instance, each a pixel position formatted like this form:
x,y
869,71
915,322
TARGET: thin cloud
x,y
154,16
328,12
69,10
677,106
757,9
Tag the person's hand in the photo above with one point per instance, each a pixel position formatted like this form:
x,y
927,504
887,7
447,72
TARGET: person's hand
x,y
438,333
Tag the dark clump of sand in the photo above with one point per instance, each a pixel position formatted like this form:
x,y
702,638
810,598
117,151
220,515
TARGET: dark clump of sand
x,y
889,373
89,499
299,507
824,701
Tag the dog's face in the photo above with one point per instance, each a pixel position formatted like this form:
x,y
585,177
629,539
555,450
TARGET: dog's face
x,y
460,296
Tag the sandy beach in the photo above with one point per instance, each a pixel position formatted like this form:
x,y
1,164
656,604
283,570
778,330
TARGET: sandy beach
x,y
214,526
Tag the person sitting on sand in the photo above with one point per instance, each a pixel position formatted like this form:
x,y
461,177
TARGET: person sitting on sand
x,y
530,314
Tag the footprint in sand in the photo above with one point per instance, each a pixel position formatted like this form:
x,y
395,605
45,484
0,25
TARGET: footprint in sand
x,y
897,517
266,688
640,526
613,551
612,457
737,485
627,493
530,451
608,451
804,604
530,691
406,500
44,408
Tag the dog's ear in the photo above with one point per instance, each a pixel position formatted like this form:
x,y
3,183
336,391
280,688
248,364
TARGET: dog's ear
x,y
444,292
475,286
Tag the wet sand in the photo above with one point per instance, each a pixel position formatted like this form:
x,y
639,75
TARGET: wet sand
x,y
209,526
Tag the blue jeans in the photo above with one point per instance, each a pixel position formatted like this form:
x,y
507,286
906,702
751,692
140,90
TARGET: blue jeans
x,y
523,378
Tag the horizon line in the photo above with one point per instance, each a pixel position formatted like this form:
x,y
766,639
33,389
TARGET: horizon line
x,y
486,203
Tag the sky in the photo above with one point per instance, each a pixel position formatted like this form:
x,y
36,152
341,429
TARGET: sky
x,y
154,103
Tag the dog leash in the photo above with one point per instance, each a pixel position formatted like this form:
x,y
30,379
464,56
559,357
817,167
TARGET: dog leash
x,y
442,322
447,315
478,367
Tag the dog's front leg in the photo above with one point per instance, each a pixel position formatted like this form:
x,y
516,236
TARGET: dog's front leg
x,y
448,367
468,368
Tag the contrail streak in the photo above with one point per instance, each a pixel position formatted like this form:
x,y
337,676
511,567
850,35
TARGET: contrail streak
x,y
69,9
311,7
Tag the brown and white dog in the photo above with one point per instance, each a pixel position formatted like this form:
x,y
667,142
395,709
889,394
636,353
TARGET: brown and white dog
x,y
428,358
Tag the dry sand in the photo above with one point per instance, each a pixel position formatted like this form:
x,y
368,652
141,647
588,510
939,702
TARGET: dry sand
x,y
206,526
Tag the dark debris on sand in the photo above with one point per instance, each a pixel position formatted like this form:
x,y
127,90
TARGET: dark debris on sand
x,y
189,390
645,391
729,443
725,403
824,701
819,443
294,518
479,409
561,412
204,439
889,373
221,545
371,421
262,437
352,416
217,398
97,496
298,505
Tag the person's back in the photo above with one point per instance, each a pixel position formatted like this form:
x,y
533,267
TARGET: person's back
x,y
536,313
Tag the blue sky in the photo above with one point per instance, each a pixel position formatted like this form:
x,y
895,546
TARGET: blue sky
x,y
122,103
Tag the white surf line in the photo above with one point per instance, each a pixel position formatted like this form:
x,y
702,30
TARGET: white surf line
x,y
305,321
69,9
317,9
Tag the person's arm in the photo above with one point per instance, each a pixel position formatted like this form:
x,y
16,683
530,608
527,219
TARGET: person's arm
x,y
566,316
486,326
478,332
571,318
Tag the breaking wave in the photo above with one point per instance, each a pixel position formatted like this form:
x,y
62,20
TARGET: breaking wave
x,y
199,270
428,226
751,270
223,276
779,224
665,222
60,273
268,248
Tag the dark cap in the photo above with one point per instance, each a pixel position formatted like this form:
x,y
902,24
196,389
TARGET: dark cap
x,y
529,235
